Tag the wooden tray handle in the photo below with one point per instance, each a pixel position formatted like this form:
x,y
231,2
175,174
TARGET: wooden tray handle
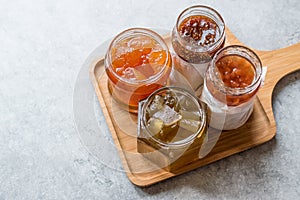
x,y
280,63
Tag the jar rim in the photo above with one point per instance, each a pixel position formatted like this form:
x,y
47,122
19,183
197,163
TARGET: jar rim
x,y
205,8
240,51
144,32
187,94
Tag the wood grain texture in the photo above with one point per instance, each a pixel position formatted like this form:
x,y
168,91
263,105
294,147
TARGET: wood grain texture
x,y
259,128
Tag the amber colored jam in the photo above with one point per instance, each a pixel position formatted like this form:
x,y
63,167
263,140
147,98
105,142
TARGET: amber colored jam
x,y
139,64
200,28
236,72
137,68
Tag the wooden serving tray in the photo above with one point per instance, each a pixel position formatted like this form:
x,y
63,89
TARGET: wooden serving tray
x,y
259,128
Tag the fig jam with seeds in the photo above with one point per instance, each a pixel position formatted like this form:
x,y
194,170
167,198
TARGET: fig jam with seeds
x,y
203,30
198,34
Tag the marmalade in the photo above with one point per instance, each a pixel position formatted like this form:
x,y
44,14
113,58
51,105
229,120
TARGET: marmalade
x,y
138,62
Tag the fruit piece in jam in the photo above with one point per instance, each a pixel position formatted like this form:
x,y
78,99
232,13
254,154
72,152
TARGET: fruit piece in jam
x,y
203,30
139,64
236,72
199,38
171,118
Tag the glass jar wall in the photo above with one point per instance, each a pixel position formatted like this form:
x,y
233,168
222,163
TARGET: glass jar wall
x,y
137,63
232,81
198,34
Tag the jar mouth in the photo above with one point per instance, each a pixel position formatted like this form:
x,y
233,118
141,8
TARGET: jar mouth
x,y
132,33
187,94
244,52
204,11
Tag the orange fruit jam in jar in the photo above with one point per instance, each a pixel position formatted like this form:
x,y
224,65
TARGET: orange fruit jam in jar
x,y
137,63
234,75
198,34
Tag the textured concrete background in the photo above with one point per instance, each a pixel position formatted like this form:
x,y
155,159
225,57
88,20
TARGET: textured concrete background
x,y
43,45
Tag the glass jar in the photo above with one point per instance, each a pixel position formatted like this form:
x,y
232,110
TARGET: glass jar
x,y
232,81
198,34
137,63
171,127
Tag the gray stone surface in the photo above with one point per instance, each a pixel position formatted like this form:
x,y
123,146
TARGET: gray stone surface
x,y
43,45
